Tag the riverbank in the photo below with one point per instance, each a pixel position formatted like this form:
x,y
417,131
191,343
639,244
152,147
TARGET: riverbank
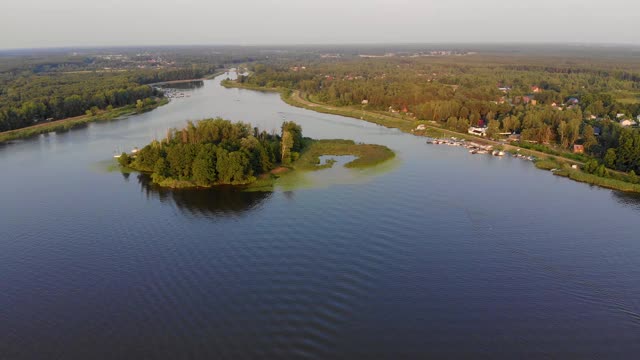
x,y
78,121
297,99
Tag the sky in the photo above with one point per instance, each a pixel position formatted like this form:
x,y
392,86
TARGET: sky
x,y
61,23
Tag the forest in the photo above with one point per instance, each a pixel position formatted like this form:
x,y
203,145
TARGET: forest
x,y
552,102
29,98
216,152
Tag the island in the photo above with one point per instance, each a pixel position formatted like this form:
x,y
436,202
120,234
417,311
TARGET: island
x,y
214,152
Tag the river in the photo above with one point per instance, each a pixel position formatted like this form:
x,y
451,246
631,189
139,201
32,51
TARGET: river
x,y
441,254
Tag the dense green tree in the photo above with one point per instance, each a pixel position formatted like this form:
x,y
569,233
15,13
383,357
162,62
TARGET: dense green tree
x,y
124,159
493,129
610,159
161,168
296,134
589,138
287,146
204,165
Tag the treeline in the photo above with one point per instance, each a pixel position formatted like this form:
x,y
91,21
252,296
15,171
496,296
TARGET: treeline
x,y
416,84
545,104
28,98
148,77
32,99
619,148
216,151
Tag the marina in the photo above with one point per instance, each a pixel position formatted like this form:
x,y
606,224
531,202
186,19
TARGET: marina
x,y
475,148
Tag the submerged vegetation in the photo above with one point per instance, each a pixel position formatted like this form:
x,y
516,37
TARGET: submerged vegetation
x,y
218,152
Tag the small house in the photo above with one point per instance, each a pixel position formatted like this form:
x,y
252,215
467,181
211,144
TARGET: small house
x,y
365,102
578,149
479,131
573,101
627,122
529,99
536,89
421,127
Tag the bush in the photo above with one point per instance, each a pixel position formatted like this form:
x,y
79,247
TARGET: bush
x,y
124,159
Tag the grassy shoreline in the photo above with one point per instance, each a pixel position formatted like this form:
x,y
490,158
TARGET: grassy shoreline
x,y
613,180
76,122
295,98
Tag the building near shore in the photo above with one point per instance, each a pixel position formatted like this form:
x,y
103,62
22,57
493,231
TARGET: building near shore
x,y
479,131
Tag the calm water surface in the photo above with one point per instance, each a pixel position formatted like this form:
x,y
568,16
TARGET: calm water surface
x,y
445,255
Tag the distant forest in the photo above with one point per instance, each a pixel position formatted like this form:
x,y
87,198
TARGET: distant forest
x,y
45,85
29,98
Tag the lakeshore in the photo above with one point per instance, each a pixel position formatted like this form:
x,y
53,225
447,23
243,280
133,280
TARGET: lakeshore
x,y
571,167
78,121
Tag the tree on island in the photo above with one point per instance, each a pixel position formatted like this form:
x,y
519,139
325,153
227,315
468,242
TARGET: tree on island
x,y
291,141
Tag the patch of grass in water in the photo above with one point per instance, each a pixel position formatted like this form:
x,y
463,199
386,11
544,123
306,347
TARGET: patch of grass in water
x,y
370,160
367,154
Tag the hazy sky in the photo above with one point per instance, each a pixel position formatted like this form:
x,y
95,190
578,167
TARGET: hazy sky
x,y
52,23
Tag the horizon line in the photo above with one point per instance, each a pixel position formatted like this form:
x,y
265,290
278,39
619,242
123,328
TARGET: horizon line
x,y
301,45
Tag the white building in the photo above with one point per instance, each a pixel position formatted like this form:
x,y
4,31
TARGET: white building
x,y
477,131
